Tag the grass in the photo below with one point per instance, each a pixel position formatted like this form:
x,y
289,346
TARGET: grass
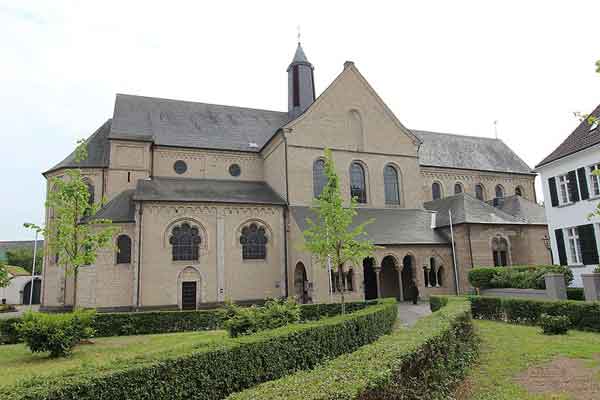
x,y
18,363
508,350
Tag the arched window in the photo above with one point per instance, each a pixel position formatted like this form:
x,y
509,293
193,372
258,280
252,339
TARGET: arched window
x,y
499,191
90,189
185,241
123,249
319,178
350,280
479,192
432,273
436,191
254,242
391,185
500,251
357,183
458,188
519,191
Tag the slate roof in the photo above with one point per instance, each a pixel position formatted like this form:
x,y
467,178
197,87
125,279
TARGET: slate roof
x,y
207,190
190,124
468,152
120,209
389,226
98,150
580,139
519,207
467,209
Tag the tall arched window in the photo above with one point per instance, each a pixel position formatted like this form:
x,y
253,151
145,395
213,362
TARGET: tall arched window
x,y
432,273
519,191
254,242
436,191
458,188
500,251
123,249
185,241
319,178
350,280
479,193
358,187
499,192
391,185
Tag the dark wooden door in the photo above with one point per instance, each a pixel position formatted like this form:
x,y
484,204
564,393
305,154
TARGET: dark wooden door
x,y
37,288
188,295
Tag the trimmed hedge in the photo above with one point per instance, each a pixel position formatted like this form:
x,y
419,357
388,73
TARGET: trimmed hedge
x,y
518,277
583,316
437,302
423,362
575,294
217,371
152,322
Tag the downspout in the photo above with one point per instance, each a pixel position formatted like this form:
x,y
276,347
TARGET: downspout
x,y
470,245
139,266
285,216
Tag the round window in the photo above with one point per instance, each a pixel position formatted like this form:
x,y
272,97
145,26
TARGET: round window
x,y
235,170
180,167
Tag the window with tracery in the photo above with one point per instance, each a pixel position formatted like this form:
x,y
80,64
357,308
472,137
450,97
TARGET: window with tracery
x,y
185,242
254,242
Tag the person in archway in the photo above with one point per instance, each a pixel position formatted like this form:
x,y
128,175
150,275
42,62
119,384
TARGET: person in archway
x,y
413,292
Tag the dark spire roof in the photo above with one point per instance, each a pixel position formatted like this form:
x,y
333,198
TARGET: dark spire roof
x,y
300,57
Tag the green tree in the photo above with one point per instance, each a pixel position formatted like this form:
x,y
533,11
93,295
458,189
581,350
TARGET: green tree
x,y
72,233
331,238
23,257
4,277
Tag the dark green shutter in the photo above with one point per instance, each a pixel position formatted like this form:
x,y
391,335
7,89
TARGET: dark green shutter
x,y
587,240
573,192
560,244
583,186
553,192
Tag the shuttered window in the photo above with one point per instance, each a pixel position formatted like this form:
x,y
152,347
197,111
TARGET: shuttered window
x,y
573,245
560,244
594,180
587,240
553,191
563,189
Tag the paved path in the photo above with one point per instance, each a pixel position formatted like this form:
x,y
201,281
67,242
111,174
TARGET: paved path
x,y
409,314
19,312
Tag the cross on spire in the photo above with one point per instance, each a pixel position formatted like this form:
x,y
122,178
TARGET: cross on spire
x,y
298,28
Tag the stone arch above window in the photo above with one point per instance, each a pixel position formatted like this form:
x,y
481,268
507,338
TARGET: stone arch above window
x,y
458,188
391,183
480,192
436,191
500,251
319,177
358,185
499,191
185,242
254,240
123,249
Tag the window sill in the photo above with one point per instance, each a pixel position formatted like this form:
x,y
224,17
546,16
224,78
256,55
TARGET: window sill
x,y
254,261
563,205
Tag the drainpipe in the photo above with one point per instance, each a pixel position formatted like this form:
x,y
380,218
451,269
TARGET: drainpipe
x,y
285,217
139,267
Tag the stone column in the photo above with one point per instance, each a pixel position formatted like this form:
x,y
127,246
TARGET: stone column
x,y
377,271
399,271
591,286
556,288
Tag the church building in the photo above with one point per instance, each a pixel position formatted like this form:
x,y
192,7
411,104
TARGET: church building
x,y
210,201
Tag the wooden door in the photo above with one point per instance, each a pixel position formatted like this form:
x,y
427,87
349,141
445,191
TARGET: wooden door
x,y
188,295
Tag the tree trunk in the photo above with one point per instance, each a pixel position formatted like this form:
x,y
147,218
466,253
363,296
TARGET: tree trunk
x,y
75,273
342,287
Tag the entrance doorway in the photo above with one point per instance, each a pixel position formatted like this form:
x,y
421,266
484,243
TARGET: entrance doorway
x,y
188,295
407,276
370,283
300,289
390,285
37,288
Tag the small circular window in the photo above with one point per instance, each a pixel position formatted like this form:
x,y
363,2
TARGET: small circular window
x,y
235,170
180,167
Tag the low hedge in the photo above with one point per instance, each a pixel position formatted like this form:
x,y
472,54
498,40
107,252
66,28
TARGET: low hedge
x,y
217,371
575,294
437,302
518,277
152,322
423,362
583,316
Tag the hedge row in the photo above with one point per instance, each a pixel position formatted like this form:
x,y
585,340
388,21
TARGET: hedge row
x,y
423,362
518,277
216,372
437,302
583,316
151,322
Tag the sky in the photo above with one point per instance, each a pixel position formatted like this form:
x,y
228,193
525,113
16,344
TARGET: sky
x,y
448,66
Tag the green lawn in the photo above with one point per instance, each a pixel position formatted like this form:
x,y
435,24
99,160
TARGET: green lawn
x,y
111,353
508,351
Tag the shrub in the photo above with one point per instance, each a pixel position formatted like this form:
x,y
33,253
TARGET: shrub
x,y
424,362
437,302
486,307
8,330
55,333
481,277
519,277
597,270
575,294
215,372
274,314
554,324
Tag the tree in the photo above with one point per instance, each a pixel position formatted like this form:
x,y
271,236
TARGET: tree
x,y
23,257
4,277
331,237
73,233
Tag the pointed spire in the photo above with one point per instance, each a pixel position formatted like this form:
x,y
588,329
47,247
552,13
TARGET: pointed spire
x,y
299,57
301,86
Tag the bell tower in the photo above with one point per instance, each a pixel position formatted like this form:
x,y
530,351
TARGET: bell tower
x,y
301,86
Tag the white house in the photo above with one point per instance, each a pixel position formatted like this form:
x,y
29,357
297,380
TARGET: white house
x,y
19,288
571,193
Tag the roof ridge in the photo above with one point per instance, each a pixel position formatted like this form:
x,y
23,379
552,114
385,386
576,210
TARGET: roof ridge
x,y
456,134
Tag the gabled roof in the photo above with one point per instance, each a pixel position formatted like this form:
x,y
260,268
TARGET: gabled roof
x,y
468,152
206,190
580,139
98,150
467,209
390,225
519,207
190,124
119,209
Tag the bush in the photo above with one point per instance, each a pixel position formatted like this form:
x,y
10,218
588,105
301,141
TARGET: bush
x,y
575,294
55,333
486,307
481,277
215,372
554,324
8,330
518,277
424,362
437,302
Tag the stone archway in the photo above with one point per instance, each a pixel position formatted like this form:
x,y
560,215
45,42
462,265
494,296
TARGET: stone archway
x,y
370,279
389,279
407,275
37,287
300,283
